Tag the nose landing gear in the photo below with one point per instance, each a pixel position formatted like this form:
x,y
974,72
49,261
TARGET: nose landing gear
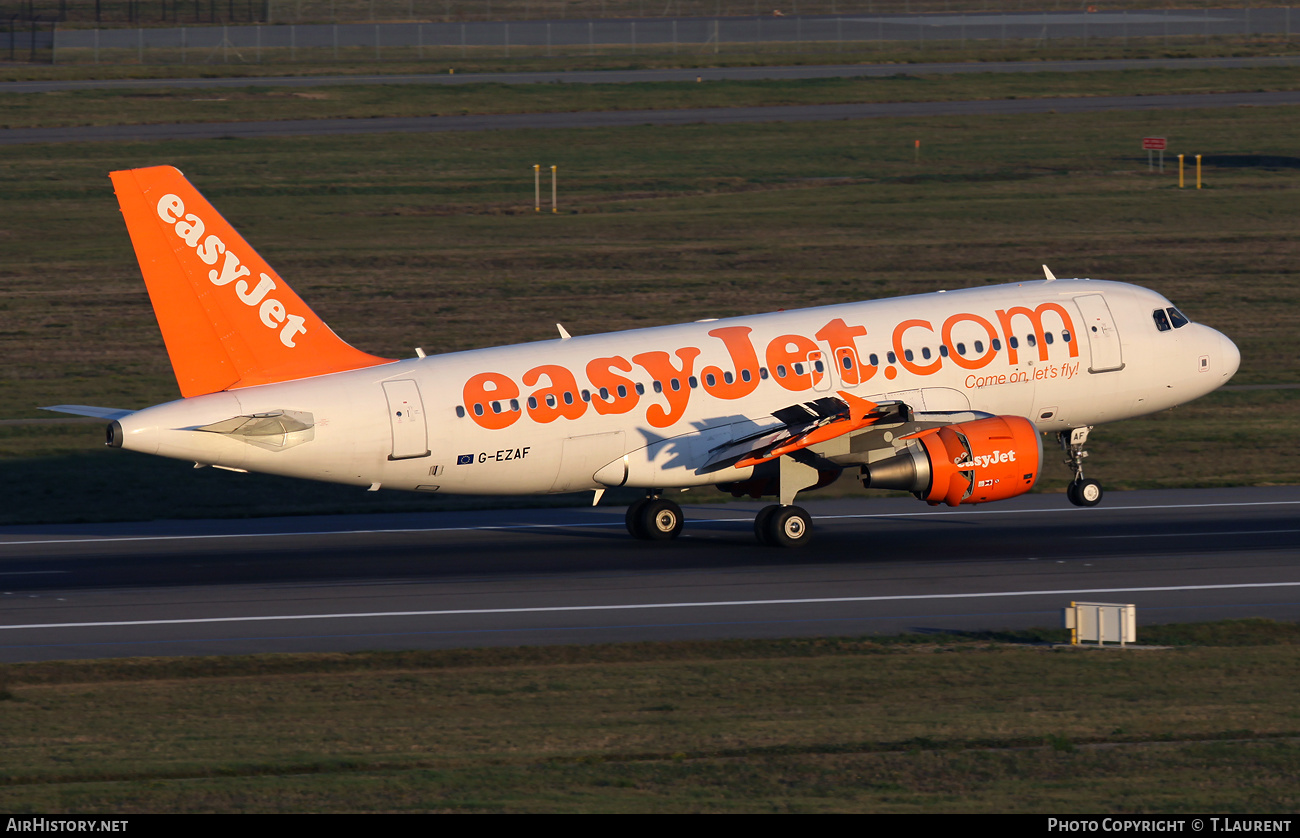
x,y
1081,492
1084,492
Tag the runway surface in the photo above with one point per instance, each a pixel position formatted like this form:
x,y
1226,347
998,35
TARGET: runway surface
x,y
688,74
525,577
613,119
632,36
628,118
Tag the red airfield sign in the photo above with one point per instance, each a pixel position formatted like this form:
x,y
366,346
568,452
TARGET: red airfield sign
x,y
1154,143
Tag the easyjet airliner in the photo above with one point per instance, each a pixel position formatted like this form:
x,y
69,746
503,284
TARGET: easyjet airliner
x,y
945,395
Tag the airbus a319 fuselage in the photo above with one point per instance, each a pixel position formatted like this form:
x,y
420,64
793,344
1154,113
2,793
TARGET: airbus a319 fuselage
x,y
943,394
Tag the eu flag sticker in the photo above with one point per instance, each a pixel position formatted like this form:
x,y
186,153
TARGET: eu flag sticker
x,y
465,460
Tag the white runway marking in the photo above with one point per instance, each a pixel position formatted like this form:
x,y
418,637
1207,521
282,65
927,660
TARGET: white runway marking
x,y
646,606
1191,534
619,523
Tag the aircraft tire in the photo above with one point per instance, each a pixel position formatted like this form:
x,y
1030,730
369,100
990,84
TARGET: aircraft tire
x,y
761,528
1085,493
789,526
661,520
635,524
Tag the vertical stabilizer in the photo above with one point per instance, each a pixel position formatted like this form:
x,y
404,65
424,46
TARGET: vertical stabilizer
x,y
227,318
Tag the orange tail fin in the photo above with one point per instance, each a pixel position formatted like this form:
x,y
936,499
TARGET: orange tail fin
x,y
227,318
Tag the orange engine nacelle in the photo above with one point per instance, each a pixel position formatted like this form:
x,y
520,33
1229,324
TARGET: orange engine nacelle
x,y
970,462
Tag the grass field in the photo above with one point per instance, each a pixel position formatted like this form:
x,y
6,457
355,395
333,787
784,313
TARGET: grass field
x,y
401,241
910,724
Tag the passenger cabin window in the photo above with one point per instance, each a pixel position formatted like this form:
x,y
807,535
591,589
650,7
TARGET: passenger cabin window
x,y
1162,320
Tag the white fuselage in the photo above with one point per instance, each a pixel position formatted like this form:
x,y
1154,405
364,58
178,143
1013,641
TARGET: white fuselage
x,y
532,418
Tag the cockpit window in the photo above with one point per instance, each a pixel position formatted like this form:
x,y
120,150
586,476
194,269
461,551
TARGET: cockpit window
x,y
1177,318
1162,321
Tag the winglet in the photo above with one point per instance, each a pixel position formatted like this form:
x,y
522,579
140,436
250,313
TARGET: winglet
x,y
227,318
1047,273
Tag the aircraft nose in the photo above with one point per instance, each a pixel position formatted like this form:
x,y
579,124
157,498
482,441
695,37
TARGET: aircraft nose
x,y
1231,356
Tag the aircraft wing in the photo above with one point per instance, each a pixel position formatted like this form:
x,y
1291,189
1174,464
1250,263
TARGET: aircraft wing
x,y
90,410
803,425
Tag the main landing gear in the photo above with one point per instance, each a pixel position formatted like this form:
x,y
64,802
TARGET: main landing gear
x,y
654,519
783,526
1081,492
657,519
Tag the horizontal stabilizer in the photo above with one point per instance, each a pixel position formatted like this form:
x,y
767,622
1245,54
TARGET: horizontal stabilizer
x,y
90,410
